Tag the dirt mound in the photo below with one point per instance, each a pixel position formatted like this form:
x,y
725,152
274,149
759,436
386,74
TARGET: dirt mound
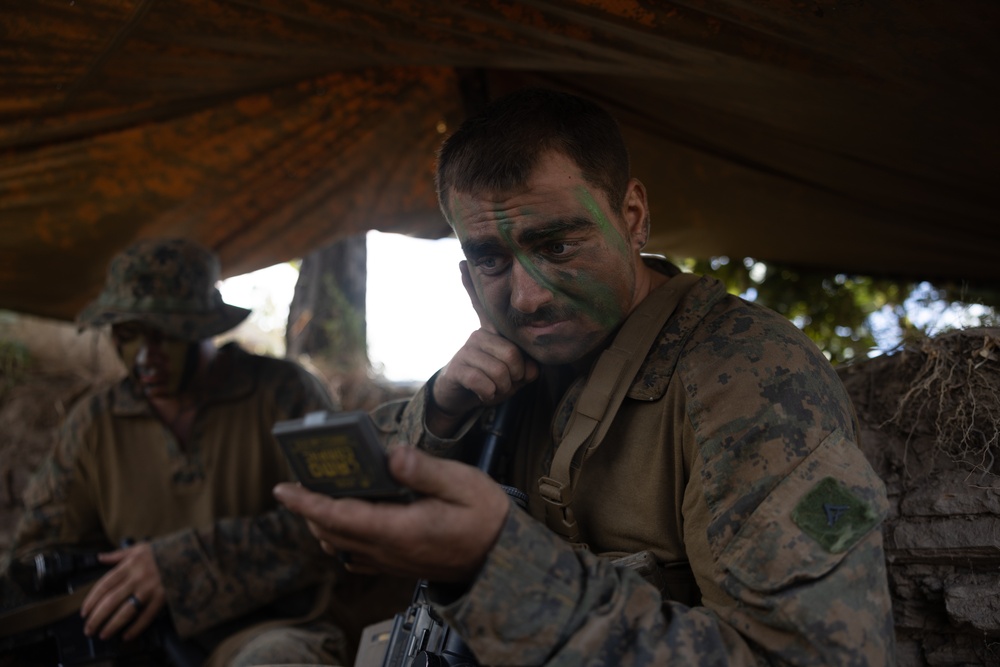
x,y
930,420
45,367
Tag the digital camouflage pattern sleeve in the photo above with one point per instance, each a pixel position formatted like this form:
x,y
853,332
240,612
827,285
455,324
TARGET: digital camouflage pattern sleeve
x,y
782,519
222,572
574,608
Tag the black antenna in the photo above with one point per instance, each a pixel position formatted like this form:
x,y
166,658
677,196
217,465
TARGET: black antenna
x,y
496,435
491,454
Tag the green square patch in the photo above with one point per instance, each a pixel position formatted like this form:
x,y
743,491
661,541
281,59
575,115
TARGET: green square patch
x,y
834,516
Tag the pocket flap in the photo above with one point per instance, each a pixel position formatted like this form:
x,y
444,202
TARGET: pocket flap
x,y
810,520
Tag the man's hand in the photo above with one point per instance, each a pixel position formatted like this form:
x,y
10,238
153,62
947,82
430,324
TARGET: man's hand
x,y
129,595
443,536
487,370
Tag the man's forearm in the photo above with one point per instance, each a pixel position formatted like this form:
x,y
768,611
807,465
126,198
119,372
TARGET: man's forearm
x,y
237,566
574,608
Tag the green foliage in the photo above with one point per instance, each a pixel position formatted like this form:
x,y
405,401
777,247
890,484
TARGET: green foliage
x,y
835,310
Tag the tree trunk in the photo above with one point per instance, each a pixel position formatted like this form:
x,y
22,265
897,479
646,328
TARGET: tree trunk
x,y
326,318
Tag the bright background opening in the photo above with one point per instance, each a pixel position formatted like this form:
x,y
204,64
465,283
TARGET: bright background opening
x,y
418,314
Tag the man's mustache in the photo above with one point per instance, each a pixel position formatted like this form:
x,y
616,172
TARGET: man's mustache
x,y
543,316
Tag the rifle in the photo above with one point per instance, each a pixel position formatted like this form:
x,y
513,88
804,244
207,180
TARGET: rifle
x,y
419,637
49,630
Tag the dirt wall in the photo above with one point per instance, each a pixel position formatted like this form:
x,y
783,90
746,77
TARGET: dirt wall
x,y
930,422
45,366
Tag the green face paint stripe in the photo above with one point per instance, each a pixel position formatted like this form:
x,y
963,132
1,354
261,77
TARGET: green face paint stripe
x,y
602,304
617,242
520,256
611,233
599,305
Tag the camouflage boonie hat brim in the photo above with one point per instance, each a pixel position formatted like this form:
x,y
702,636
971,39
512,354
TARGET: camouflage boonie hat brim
x,y
168,284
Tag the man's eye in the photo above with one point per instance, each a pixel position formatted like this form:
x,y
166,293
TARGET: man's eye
x,y
559,249
490,264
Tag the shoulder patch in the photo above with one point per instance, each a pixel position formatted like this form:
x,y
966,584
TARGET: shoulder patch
x,y
834,516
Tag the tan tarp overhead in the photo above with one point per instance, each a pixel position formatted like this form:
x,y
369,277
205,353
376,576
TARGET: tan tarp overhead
x,y
853,135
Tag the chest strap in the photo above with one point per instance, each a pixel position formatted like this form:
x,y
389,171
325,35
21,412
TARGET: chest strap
x,y
601,396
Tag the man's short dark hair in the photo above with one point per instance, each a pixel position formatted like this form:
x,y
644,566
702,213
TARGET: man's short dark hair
x,y
496,150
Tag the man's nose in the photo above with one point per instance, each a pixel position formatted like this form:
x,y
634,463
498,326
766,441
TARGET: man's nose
x,y
150,347
526,294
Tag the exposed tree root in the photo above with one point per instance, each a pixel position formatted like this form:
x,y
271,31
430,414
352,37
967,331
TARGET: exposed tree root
x,y
957,389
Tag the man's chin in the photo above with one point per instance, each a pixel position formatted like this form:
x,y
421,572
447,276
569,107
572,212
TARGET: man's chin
x,y
559,350
552,352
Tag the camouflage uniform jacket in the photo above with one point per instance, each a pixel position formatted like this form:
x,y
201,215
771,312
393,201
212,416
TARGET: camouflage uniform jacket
x,y
735,451
221,543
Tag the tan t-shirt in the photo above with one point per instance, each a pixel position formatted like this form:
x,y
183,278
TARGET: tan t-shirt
x,y
117,472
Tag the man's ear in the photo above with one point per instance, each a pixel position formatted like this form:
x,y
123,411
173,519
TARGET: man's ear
x,y
635,211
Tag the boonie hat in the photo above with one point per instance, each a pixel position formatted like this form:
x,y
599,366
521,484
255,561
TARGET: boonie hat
x,y
168,284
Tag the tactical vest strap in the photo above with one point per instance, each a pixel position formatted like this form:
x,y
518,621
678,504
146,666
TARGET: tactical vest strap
x,y
602,395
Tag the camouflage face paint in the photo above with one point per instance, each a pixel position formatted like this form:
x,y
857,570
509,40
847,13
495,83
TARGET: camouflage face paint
x,y
553,250
611,234
160,365
598,285
589,293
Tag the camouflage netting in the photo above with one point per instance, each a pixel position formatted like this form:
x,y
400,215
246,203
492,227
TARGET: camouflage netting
x,y
930,419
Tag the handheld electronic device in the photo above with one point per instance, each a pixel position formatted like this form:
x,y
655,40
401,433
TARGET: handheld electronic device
x,y
339,454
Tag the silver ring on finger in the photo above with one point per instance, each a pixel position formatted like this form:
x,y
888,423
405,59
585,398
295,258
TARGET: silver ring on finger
x,y
136,602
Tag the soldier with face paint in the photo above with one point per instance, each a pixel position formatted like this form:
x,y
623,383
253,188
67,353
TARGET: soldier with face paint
x,y
178,460
696,499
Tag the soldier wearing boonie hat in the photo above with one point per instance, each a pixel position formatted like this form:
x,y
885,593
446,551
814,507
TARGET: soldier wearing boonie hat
x,y
162,303
169,284
178,457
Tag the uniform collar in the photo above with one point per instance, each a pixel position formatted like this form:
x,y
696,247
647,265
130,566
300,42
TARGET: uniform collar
x,y
651,381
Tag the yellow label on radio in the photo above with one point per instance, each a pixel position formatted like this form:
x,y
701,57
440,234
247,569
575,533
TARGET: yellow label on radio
x,y
338,454
332,463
